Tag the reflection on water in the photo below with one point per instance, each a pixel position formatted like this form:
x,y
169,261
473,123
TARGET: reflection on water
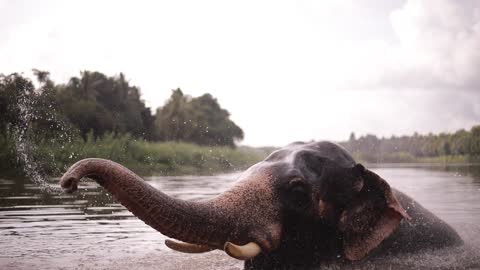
x,y
90,230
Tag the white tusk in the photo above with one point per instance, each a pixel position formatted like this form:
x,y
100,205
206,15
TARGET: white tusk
x,y
244,252
187,247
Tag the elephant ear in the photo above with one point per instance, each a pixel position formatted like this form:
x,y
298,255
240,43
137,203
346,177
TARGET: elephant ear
x,y
371,216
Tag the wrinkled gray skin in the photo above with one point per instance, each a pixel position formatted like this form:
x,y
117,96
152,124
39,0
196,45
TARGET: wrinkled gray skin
x,y
305,205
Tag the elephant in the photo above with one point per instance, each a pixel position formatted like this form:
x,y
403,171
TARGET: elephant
x,y
303,206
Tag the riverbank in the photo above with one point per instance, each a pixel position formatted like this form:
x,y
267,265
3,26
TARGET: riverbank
x,y
52,158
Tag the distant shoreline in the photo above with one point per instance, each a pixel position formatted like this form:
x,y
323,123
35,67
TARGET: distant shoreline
x,y
417,165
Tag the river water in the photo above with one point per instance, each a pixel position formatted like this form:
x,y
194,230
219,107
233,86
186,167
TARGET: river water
x,y
89,230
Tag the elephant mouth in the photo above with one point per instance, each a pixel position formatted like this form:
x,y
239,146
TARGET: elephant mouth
x,y
245,251
240,252
264,240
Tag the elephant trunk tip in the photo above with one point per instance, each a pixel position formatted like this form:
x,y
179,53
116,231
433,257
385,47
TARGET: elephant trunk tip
x,y
84,167
69,183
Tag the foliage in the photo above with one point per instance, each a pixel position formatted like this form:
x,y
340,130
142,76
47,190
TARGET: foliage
x,y
101,104
13,89
104,104
199,120
94,115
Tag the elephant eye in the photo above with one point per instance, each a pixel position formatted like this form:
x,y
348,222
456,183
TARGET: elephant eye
x,y
299,194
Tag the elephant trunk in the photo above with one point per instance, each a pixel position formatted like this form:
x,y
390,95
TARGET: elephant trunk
x,y
193,222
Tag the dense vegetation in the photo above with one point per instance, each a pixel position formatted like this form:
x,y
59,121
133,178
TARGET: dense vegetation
x,y
461,146
94,115
49,126
101,104
199,120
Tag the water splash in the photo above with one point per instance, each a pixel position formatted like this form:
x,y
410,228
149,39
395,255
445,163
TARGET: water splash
x,y
24,147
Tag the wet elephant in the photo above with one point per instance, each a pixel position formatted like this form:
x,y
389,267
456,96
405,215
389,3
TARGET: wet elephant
x,y
305,205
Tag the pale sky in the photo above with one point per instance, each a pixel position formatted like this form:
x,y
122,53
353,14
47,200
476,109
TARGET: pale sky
x,y
285,70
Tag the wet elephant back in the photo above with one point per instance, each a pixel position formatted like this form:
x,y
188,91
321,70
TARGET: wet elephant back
x,y
424,231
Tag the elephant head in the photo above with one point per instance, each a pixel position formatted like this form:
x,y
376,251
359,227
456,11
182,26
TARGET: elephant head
x,y
306,196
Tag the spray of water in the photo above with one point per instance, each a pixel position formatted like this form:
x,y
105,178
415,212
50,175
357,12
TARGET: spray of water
x,y
25,147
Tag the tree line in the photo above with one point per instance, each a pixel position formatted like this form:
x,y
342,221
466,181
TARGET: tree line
x,y
462,143
99,104
93,109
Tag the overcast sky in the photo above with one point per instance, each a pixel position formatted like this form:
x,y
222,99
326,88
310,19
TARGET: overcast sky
x,y
286,70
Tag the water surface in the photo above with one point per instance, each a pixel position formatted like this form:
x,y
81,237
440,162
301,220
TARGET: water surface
x,y
89,230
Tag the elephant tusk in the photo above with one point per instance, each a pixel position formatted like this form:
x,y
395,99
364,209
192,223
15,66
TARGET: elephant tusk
x,y
187,247
244,252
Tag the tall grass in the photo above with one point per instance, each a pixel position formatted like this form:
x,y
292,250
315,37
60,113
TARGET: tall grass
x,y
147,158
